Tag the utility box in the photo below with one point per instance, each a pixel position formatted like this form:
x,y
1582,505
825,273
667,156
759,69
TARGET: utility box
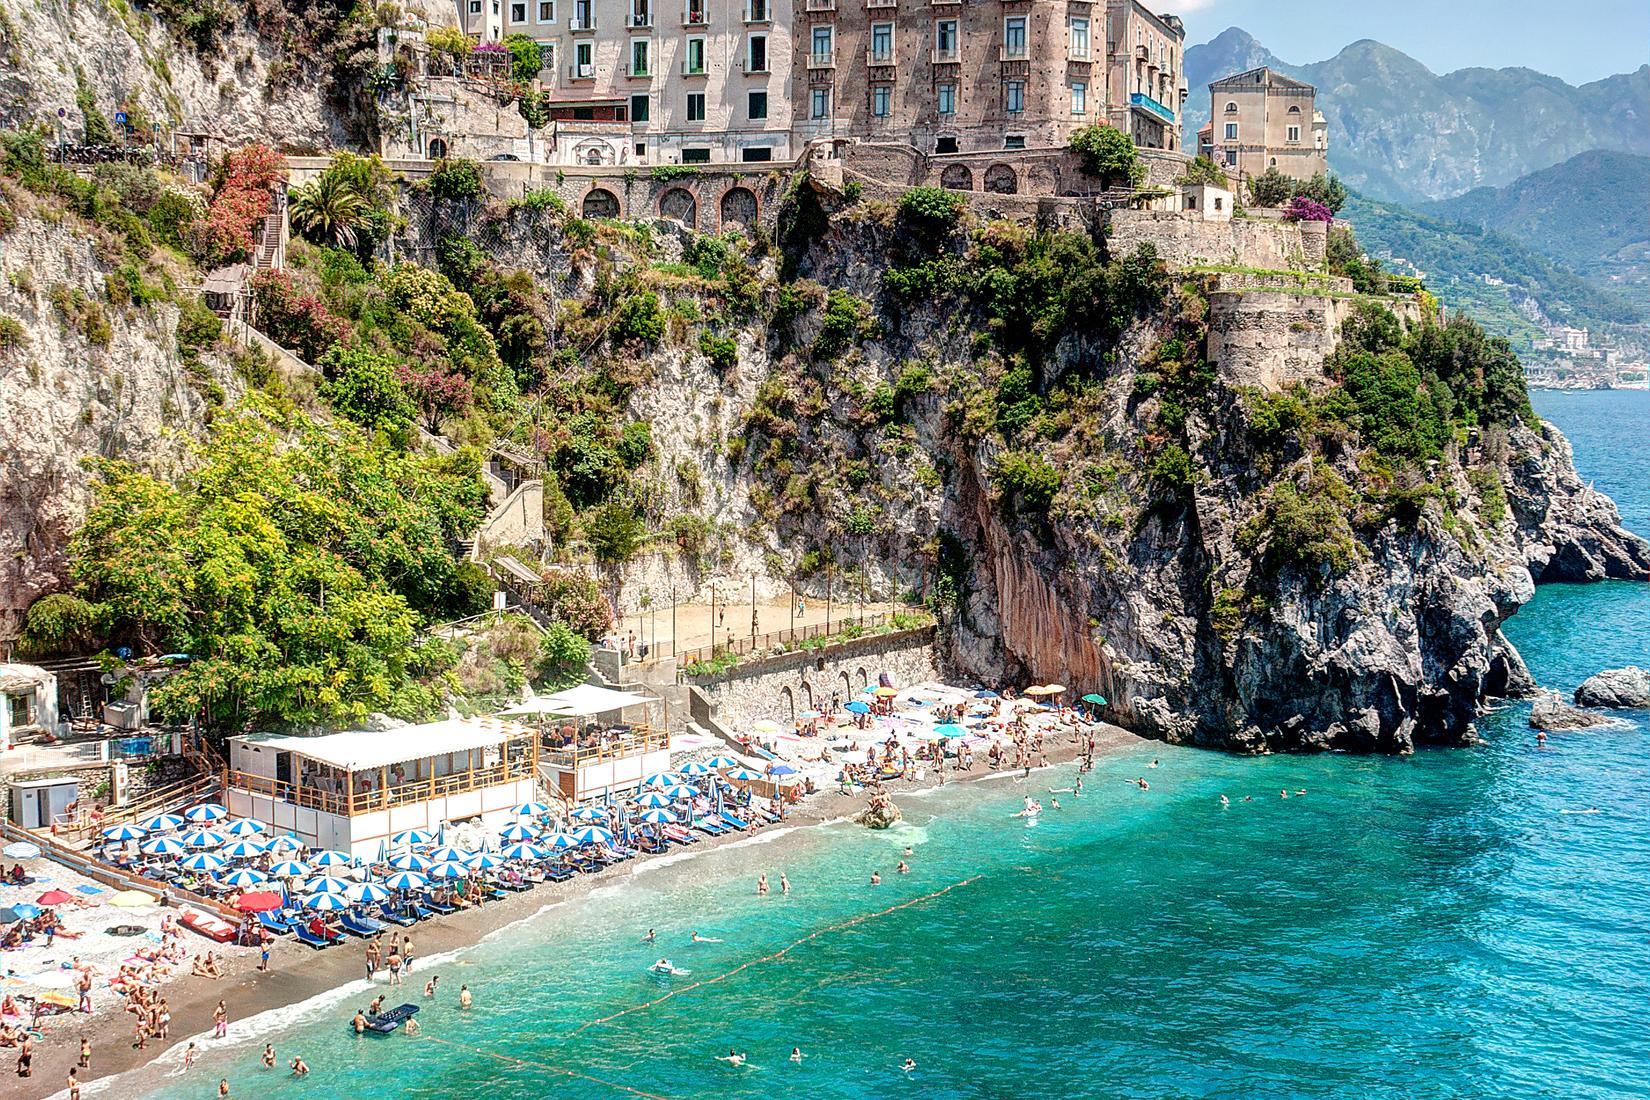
x,y
35,803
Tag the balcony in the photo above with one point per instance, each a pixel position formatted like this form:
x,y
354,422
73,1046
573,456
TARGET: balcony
x,y
582,24
581,72
879,58
1150,106
641,20
695,15
822,59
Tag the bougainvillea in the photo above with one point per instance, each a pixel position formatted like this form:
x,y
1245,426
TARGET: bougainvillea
x,y
438,392
244,191
1303,209
293,319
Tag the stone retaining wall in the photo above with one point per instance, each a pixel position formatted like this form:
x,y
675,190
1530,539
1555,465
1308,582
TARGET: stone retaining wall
x,y
1241,242
1274,339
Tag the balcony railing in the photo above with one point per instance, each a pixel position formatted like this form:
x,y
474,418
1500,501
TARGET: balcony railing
x,y
822,59
1150,106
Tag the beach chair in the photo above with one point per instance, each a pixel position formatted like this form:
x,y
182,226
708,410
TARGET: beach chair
x,y
362,926
557,874
733,822
273,923
304,935
439,906
405,920
709,826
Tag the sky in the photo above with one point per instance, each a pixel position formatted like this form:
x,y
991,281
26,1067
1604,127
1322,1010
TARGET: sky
x,y
1577,40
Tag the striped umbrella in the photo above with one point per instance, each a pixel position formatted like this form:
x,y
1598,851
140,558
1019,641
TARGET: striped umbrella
x,y
449,869
694,770
326,903
406,880
243,877
245,848
660,779
766,725
484,861
368,893
206,811
411,837
658,817
161,822
203,861
653,800
592,834
326,884
449,854
518,832
125,832
560,840
203,838
587,813
244,826
524,851
410,861
291,868
331,857
162,846
719,762
531,809
744,775
682,791
286,842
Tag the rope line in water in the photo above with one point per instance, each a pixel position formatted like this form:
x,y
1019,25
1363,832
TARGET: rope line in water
x,y
781,953
545,1066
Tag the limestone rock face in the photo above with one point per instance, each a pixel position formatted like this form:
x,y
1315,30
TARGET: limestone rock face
x,y
1618,688
1552,713
882,816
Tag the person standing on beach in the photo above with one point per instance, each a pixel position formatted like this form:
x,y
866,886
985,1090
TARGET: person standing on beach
x,y
374,954
74,1085
189,1056
25,1056
263,955
407,953
395,965
220,1021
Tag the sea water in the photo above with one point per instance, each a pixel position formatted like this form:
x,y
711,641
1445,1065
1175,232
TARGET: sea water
x,y
1459,923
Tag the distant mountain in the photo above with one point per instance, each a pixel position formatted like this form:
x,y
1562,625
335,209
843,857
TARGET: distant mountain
x,y
1592,213
1399,131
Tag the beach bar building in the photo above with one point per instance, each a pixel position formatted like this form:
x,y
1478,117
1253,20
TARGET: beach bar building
x,y
600,740
352,791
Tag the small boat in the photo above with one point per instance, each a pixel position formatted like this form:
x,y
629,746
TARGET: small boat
x,y
386,1022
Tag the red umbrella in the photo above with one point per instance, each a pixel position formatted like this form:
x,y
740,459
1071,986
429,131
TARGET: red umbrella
x,y
261,902
54,897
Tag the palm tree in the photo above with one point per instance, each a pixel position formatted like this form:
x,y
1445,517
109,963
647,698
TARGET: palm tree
x,y
328,211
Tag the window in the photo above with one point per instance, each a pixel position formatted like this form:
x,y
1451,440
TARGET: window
x,y
823,38
584,15
641,13
584,60
518,12
947,99
1294,135
695,12
819,104
584,114
762,153
756,54
945,145
547,11
1014,96
1231,131
695,156
639,60
1079,97
1014,36
945,40
756,11
1231,108
1017,141
475,7
758,106
547,58
1294,110
1217,202
881,97
882,43
641,149
696,107
1080,38
1231,158
640,108
694,63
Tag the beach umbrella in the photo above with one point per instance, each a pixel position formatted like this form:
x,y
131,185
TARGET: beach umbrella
x,y
125,832
203,838
206,811
765,725
657,817
11,916
720,762
28,912
290,868
410,861
781,769
162,846
21,849
203,861
286,842
450,869
325,884
868,689
518,832
592,834
857,707
132,899
1097,700
950,729
652,800
524,851
368,893
406,880
694,769
659,779
588,813
681,791
449,855
261,901
886,693
162,822
484,861
243,877
245,848
986,693
326,903
411,837
531,809
808,715
331,857
744,775
244,826
560,840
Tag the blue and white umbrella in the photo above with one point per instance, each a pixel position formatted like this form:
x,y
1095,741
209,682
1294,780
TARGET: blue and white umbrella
x,y
162,846
449,854
326,903
657,817
21,849
326,884
243,877
406,880
695,769
588,813
290,868
244,826
331,857
124,832
682,791
531,809
720,762
743,775
449,869
369,893
203,838
203,861
286,842
524,851
560,840
484,861
162,822
857,707
410,861
660,779
245,848
518,832
592,834
206,811
653,800
410,837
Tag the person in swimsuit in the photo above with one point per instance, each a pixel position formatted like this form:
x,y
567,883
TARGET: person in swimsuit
x,y
395,965
732,1058
74,1085
908,1065
299,1069
796,1055
269,1056
876,878
464,998
360,1022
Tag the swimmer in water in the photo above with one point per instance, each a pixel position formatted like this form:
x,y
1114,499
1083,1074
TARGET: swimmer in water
x,y
1054,803
1154,763
1224,801
464,998
1540,739
1078,792
876,878
784,883
908,1065
429,987
908,850
298,1067
762,885
650,937
903,868
1283,794
697,938
732,1058
1248,798
269,1056
1301,791
1142,784
796,1055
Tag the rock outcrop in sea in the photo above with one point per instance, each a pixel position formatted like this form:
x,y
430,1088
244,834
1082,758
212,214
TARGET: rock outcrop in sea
x,y
1551,712
1617,688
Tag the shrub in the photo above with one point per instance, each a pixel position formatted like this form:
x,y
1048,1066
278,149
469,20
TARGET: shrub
x,y
58,623
1492,495
361,386
915,379
1303,209
1304,526
847,321
1109,154
635,443
563,655
243,194
450,41
12,333
299,322
544,198
931,213
1172,468
1270,188
614,532
174,212
722,351
1028,480
639,318
526,58
455,179
198,329
1202,170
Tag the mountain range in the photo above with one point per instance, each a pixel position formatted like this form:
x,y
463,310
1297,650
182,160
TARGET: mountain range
x,y
1398,131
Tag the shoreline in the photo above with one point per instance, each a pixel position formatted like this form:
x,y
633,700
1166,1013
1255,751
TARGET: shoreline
x,y
299,974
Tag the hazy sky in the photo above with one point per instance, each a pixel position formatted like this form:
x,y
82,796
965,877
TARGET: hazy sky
x,y
1578,40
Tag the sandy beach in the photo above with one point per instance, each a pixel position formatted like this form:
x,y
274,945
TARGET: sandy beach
x,y
298,973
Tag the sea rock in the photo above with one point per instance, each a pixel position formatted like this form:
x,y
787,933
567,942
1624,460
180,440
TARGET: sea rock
x,y
1550,712
1620,688
882,816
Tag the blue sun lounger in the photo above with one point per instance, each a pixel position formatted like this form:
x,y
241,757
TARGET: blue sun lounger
x,y
403,919
365,927
439,906
274,923
306,936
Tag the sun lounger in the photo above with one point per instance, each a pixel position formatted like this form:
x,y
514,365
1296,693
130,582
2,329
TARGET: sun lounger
x,y
557,874
403,919
439,906
306,936
734,822
710,826
274,924
364,927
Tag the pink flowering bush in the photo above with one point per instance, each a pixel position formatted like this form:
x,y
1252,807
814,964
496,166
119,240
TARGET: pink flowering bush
x,y
1303,209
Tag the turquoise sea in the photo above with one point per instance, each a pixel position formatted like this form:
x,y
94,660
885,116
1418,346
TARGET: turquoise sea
x,y
1445,925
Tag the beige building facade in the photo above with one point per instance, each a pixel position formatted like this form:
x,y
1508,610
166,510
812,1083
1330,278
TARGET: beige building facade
x,y
1145,74
1262,119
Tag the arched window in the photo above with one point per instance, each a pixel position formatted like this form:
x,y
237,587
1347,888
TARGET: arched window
x,y
438,149
1294,110
1231,108
1274,163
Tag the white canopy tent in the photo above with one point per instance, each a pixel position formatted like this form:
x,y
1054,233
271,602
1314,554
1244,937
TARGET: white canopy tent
x,y
583,701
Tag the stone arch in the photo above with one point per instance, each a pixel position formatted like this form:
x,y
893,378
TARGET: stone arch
x,y
860,675
957,177
601,203
807,696
1002,180
847,685
1274,163
1231,107
678,204
740,207
1294,110
438,148
787,700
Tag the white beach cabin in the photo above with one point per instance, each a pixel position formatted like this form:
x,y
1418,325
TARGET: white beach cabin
x,y
352,791
610,753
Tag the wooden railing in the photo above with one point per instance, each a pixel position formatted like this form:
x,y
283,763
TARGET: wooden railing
x,y
353,802
282,791
81,826
634,743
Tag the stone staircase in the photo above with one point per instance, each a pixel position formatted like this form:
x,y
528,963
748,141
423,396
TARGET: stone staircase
x,y
270,252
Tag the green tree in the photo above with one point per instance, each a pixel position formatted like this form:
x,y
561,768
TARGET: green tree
x,y
328,211
362,386
563,656
1109,154
1203,170
1328,190
614,531
1270,188
526,58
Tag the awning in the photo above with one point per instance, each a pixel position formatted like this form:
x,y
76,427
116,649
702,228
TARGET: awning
x,y
363,750
580,702
17,678
516,569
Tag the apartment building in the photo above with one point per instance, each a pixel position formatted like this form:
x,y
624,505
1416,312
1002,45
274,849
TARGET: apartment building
x,y
1145,73
482,20
1262,119
663,81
